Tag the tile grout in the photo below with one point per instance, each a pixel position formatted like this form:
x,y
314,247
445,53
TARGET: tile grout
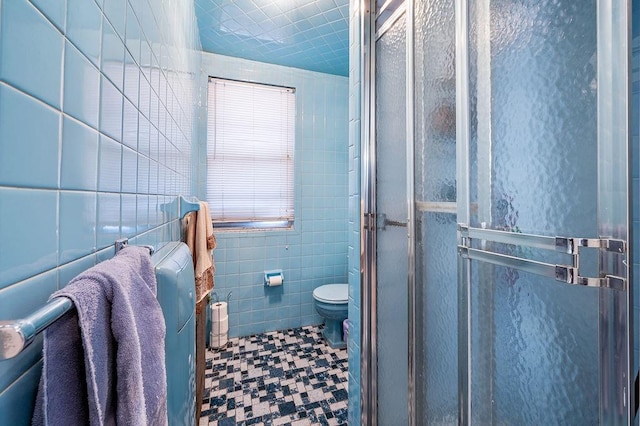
x,y
289,377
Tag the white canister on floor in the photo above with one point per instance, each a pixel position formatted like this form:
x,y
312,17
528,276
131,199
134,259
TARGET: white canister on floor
x,y
219,325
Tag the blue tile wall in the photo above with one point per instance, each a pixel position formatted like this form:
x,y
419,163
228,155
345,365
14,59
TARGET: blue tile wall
x,y
80,80
315,252
79,163
354,212
33,145
81,87
31,52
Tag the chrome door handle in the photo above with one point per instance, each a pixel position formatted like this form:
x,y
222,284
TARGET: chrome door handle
x,y
382,222
569,274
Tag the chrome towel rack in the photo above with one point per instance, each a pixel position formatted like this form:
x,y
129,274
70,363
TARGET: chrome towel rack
x,y
16,335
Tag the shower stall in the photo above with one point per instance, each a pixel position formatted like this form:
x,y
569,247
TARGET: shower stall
x,y
496,212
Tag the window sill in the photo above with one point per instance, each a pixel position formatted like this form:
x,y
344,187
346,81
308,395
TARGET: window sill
x,y
251,226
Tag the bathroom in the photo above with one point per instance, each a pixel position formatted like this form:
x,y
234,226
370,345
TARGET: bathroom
x,y
118,90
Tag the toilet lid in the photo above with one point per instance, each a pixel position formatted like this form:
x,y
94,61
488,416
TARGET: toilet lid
x,y
332,293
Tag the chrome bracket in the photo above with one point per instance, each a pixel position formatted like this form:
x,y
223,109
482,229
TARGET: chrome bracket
x,y
121,243
369,221
12,339
571,275
124,242
572,245
616,283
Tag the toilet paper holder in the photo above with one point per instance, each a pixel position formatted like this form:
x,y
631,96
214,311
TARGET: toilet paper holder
x,y
273,278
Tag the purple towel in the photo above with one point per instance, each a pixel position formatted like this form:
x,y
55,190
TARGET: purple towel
x,y
110,370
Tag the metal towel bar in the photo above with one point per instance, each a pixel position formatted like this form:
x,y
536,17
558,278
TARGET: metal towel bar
x,y
16,335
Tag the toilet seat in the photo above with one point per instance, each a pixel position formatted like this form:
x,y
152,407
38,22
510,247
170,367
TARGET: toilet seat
x,y
332,293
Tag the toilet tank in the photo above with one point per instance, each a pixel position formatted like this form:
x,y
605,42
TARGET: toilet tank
x,y
175,277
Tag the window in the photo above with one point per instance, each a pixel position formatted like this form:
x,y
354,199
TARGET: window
x,y
250,145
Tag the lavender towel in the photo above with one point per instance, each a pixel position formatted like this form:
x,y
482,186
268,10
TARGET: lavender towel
x,y
110,369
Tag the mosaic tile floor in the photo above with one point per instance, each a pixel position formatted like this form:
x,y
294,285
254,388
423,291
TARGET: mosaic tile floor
x,y
289,377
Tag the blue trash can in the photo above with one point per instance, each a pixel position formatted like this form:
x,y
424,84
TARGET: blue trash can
x,y
345,331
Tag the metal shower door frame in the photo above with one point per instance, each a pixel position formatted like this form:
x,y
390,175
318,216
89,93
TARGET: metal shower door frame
x,y
368,280
369,214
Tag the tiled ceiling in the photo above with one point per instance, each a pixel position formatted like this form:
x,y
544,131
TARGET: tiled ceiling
x,y
307,34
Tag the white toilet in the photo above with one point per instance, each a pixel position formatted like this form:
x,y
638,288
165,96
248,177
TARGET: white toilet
x,y
332,303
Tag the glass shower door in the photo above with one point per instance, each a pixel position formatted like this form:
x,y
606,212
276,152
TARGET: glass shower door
x,y
544,330
391,220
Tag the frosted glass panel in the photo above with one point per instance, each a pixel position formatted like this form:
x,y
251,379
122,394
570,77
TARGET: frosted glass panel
x,y
391,250
534,346
534,77
436,401
435,98
435,181
535,351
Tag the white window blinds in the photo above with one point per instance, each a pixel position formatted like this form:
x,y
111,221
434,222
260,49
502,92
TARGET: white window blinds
x,y
250,146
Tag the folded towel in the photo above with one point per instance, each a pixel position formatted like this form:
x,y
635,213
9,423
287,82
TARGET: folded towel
x,y
201,241
104,361
189,222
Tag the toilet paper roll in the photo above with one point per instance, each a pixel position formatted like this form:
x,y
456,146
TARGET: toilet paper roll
x,y
218,310
218,340
275,280
221,326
